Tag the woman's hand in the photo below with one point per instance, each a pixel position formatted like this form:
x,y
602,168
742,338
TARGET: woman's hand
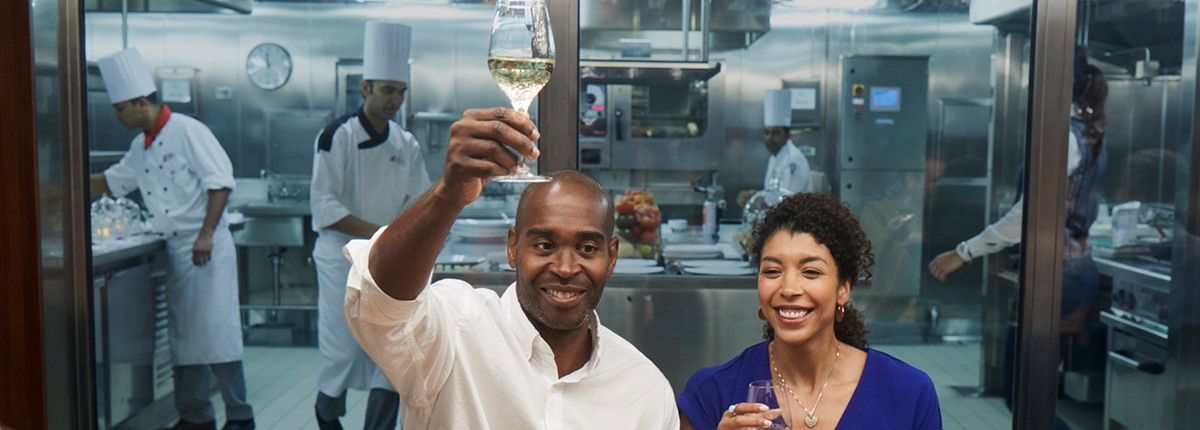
x,y
944,264
746,415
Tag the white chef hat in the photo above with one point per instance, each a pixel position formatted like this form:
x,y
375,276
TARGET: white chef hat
x,y
777,108
385,51
126,76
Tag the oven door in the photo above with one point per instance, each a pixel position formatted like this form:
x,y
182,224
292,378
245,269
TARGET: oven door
x,y
1136,360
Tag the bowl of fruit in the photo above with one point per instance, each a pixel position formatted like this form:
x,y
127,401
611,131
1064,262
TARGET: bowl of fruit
x,y
638,220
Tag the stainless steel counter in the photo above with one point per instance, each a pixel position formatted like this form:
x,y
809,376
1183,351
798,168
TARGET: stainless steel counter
x,y
662,281
1142,270
114,255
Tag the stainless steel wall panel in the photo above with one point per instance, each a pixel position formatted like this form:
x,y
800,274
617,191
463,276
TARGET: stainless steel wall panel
x,y
449,73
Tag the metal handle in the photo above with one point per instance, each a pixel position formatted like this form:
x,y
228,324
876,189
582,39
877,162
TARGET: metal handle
x,y
1151,367
618,114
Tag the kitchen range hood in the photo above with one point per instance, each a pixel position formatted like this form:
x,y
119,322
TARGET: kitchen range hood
x,y
641,73
1135,36
170,6
716,25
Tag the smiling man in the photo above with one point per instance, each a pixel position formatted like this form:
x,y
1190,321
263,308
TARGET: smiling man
x,y
535,357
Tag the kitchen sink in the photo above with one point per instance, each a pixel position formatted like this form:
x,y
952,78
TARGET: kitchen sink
x,y
277,223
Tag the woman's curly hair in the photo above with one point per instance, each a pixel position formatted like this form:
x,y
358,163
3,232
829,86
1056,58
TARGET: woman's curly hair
x,y
832,224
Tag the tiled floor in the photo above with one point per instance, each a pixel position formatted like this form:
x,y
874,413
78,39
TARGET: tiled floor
x,y
282,386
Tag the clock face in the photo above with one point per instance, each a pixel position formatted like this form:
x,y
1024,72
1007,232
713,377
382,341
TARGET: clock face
x,y
269,66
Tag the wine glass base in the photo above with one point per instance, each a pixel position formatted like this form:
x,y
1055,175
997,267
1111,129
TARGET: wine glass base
x,y
521,178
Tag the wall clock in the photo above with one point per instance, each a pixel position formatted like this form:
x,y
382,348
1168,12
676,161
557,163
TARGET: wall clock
x,y
269,66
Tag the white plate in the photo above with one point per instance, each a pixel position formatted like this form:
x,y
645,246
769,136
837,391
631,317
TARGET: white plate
x,y
456,259
714,263
637,270
721,271
480,228
692,251
635,262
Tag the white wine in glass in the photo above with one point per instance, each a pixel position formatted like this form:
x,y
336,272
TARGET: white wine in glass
x,y
521,59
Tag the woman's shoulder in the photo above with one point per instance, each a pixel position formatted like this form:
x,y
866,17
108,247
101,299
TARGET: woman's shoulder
x,y
882,366
733,369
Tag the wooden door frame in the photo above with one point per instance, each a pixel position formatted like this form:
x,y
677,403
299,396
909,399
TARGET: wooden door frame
x,y
23,398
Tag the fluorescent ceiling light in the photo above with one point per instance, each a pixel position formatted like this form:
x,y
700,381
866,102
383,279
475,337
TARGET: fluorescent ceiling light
x,y
833,4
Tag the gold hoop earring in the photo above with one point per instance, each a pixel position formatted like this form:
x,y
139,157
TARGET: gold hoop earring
x,y
839,314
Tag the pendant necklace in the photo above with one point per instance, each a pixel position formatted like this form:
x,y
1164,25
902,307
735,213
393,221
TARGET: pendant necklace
x,y
811,419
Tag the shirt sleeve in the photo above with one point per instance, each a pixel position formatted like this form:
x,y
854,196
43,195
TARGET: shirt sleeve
x,y
410,340
928,415
329,174
208,159
122,177
1006,232
419,175
1000,235
700,400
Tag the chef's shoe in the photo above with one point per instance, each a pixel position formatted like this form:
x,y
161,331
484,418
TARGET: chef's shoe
x,y
333,424
239,424
184,425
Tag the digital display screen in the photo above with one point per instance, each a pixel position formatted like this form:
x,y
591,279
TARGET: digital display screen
x,y
886,99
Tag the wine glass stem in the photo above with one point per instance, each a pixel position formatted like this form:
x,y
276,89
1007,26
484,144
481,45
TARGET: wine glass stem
x,y
522,107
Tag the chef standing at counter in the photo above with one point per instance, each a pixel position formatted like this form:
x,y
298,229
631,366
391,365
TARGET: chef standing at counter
x,y
787,162
185,178
366,171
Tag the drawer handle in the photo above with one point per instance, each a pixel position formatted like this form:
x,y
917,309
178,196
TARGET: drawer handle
x,y
1151,367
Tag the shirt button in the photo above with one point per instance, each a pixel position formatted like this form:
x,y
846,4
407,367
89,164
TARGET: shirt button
x,y
147,170
164,189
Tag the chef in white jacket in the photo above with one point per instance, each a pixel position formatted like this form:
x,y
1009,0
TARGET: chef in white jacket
x,y
366,171
786,162
184,177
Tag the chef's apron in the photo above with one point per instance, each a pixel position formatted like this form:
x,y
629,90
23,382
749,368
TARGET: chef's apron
x,y
203,312
345,364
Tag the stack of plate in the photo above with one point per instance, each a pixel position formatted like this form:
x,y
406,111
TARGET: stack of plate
x,y
467,228
637,266
717,267
691,251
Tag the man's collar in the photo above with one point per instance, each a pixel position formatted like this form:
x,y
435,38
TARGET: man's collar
x,y
164,115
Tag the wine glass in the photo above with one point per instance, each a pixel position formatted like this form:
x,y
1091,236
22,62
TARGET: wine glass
x,y
521,58
764,391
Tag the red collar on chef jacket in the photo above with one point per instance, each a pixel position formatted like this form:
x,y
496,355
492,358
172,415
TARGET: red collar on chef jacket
x,y
163,116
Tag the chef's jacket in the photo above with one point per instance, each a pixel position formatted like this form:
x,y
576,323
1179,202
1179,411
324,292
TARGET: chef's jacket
x,y
174,173
791,167
359,172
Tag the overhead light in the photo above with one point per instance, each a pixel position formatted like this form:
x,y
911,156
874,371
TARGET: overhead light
x,y
832,4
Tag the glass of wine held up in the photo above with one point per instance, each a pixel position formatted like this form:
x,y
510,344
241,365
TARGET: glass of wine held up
x,y
521,58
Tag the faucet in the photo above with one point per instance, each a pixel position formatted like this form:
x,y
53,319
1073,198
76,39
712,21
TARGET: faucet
x,y
278,189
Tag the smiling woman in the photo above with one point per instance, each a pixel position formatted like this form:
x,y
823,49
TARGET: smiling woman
x,y
810,250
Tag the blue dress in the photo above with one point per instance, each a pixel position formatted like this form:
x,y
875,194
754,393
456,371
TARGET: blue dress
x,y
891,394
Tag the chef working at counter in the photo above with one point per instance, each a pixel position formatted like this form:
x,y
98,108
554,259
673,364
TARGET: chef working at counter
x,y
366,170
185,178
787,162
535,357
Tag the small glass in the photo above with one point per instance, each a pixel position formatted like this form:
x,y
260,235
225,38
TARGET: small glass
x,y
765,392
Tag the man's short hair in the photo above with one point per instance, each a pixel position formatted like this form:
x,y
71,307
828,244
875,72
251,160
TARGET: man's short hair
x,y
578,178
